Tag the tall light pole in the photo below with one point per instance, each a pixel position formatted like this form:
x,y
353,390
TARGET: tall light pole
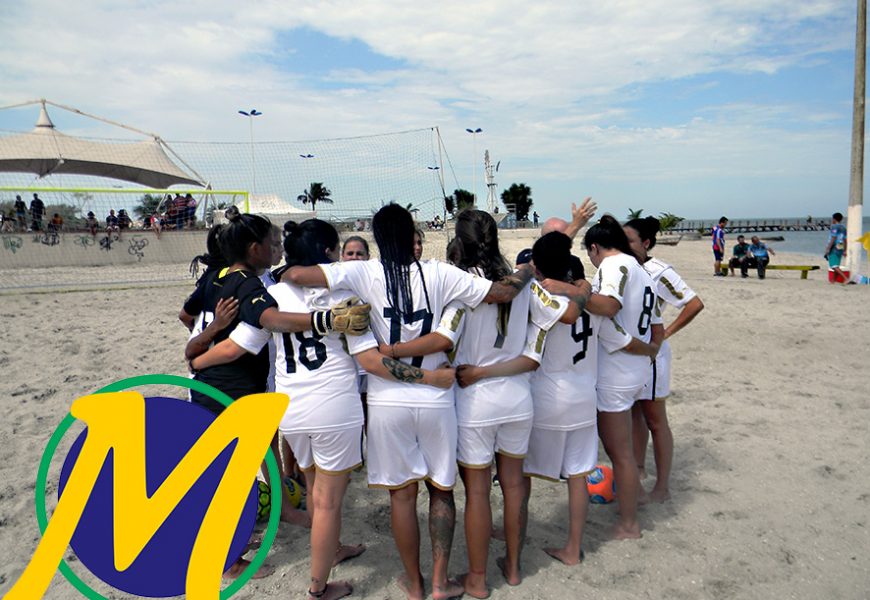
x,y
250,115
854,220
474,133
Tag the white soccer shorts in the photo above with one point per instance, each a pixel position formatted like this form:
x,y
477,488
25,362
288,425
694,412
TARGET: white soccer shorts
x,y
331,452
660,379
479,444
411,444
559,454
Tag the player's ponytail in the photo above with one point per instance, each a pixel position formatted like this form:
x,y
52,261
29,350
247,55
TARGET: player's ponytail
x,y
607,233
307,243
647,229
240,232
213,258
478,247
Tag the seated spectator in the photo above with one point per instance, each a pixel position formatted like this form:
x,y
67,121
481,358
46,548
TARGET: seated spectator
x,y
8,225
759,257
124,221
56,223
740,255
112,224
157,224
91,223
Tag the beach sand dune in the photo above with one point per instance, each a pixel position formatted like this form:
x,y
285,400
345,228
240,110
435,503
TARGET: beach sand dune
x,y
770,414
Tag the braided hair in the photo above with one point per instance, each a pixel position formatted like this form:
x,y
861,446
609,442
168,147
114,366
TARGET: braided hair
x,y
393,228
478,245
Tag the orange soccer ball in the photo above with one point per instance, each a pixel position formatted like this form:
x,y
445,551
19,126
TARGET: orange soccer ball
x,y
600,485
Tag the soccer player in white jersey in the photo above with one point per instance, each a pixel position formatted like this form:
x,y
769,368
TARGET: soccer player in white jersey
x,y
411,428
624,293
495,417
564,440
649,413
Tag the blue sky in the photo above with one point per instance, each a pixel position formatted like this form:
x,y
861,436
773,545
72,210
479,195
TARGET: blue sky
x,y
695,108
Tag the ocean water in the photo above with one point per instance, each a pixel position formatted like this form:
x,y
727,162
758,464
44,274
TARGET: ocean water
x,y
803,242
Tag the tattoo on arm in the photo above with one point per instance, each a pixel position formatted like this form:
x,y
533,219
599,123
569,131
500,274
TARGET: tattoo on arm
x,y
580,301
403,372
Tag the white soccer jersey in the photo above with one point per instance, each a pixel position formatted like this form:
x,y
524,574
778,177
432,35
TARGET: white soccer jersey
x,y
443,284
563,387
269,281
621,277
493,333
317,372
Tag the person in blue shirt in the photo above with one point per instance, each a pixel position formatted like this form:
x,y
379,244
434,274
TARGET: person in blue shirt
x,y
759,256
835,251
719,246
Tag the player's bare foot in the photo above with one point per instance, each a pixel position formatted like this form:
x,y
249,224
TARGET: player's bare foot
x,y
626,532
642,497
332,591
450,589
497,533
510,576
641,472
475,585
240,565
659,496
413,592
297,517
347,552
565,556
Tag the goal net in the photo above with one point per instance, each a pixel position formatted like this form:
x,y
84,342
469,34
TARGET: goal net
x,y
342,180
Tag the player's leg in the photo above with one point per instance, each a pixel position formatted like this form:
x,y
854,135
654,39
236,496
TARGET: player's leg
x,y
406,534
478,526
639,438
656,417
436,433
516,507
615,431
327,492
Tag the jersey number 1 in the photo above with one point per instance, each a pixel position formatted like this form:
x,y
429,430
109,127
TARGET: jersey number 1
x,y
305,343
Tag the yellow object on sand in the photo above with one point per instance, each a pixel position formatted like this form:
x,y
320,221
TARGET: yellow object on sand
x,y
865,240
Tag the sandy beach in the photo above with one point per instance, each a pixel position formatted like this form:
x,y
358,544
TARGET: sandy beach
x,y
771,481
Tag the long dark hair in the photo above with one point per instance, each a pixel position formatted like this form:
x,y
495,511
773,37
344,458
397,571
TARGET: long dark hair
x,y
477,246
607,233
306,243
552,256
241,231
393,228
647,229
213,257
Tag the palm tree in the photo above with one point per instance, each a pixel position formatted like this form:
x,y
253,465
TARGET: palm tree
x,y
634,214
316,192
519,198
668,221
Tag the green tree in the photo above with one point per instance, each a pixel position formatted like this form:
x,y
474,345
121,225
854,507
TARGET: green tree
x,y
668,221
634,214
316,192
518,199
148,205
458,201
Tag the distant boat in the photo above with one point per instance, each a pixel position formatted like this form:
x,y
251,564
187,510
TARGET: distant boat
x,y
669,240
773,238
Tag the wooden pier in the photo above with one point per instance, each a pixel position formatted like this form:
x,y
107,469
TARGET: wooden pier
x,y
705,227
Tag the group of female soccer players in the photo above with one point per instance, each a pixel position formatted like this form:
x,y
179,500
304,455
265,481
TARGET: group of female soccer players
x,y
543,363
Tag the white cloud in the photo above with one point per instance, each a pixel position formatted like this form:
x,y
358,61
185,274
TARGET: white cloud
x,y
546,80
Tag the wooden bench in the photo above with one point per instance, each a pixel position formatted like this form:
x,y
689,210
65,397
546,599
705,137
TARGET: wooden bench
x,y
804,269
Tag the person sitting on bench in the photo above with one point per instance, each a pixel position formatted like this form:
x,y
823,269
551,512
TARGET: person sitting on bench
x,y
740,255
758,258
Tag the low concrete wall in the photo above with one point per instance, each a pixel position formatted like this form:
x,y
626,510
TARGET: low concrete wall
x,y
80,249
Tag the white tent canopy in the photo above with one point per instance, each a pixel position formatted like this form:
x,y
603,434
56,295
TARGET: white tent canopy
x,y
46,151
277,209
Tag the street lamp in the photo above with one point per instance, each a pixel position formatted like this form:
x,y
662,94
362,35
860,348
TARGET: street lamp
x,y
474,133
251,114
